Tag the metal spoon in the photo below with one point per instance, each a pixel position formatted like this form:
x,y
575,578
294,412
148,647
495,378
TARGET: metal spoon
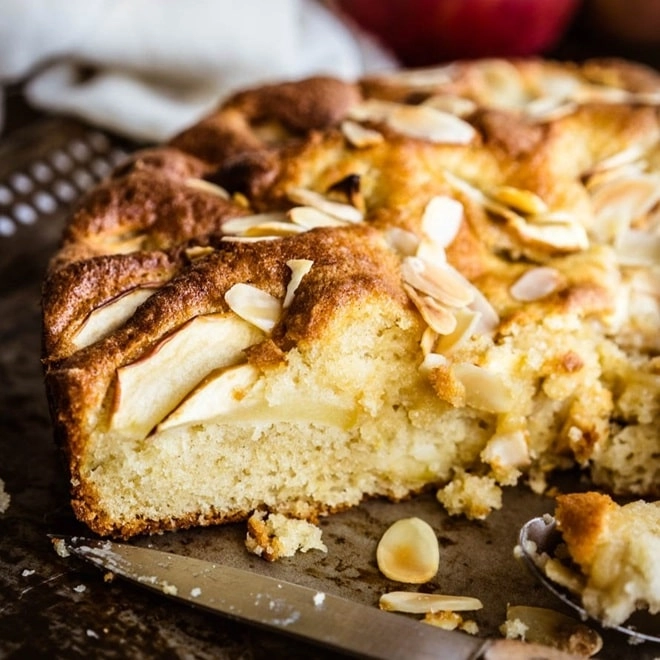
x,y
544,534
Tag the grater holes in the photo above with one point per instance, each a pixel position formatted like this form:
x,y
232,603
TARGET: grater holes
x,y
116,157
6,196
80,151
83,179
61,161
21,183
41,172
44,202
64,191
101,167
7,226
56,180
24,213
98,142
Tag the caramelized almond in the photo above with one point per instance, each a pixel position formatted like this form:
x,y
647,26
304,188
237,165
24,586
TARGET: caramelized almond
x,y
408,551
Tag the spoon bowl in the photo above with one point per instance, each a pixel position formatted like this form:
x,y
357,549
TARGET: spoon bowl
x,y
543,533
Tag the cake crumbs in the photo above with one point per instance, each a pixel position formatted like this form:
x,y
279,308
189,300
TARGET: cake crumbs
x,y
273,535
5,498
170,589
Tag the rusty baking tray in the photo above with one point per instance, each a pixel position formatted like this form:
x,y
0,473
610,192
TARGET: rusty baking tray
x,y
51,607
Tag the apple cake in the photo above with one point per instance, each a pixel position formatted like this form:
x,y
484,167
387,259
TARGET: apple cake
x,y
328,290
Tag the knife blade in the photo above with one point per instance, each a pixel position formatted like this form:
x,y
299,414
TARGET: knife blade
x,y
318,617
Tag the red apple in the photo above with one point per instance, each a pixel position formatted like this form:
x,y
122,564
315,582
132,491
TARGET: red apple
x,y
424,32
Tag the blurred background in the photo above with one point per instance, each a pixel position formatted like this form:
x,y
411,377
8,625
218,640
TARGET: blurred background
x,y
145,69
425,32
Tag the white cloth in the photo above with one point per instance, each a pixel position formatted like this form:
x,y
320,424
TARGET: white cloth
x,y
148,68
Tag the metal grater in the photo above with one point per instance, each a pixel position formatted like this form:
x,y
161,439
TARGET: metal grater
x,y
44,169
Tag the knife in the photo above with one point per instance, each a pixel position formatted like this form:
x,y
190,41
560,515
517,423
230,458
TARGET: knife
x,y
316,616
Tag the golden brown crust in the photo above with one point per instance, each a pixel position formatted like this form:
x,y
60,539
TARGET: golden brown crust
x,y
72,292
153,208
290,110
582,519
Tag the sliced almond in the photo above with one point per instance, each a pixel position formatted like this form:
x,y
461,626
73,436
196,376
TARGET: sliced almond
x,y
638,248
419,603
646,98
507,450
604,177
360,136
521,200
427,342
442,219
546,109
254,305
110,316
535,284
479,197
299,268
239,226
417,121
248,239
121,244
592,93
430,124
374,110
455,105
489,319
427,77
617,204
339,210
626,156
403,242
484,389
275,229
310,218
198,252
430,251
553,629
408,551
500,83
207,187
467,321
440,281
646,281
465,187
561,237
556,84
551,218
440,319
